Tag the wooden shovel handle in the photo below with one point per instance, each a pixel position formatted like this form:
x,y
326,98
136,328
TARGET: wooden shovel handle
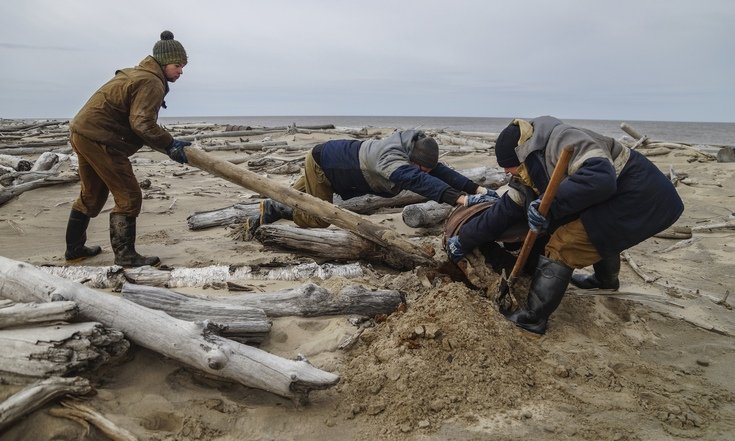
x,y
556,177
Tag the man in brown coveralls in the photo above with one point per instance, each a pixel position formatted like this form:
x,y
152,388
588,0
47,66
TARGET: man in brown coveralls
x,y
115,123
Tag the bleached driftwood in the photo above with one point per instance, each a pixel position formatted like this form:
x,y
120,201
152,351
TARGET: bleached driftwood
x,y
310,300
194,344
45,162
31,313
728,225
98,277
253,145
325,243
472,144
18,164
27,151
244,324
9,193
17,178
43,351
237,213
85,415
426,214
37,394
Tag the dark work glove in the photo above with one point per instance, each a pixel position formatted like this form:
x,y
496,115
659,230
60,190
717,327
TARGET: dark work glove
x,y
474,199
454,249
536,221
176,151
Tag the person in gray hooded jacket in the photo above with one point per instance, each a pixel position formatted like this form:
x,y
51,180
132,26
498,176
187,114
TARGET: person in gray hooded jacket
x,y
406,160
611,198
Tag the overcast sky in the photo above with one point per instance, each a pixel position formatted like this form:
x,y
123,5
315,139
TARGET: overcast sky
x,y
622,59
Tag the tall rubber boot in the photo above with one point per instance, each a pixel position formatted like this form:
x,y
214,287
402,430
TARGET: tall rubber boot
x,y
606,275
271,211
76,237
549,283
122,238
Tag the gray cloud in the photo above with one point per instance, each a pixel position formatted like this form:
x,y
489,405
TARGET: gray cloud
x,y
654,60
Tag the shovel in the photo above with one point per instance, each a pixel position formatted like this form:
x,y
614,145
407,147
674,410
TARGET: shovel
x,y
506,282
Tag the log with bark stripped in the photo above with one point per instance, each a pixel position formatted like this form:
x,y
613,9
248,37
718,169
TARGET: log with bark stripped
x,y
33,313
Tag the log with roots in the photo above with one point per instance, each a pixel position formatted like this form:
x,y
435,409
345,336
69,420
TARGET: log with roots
x,y
308,300
193,344
35,395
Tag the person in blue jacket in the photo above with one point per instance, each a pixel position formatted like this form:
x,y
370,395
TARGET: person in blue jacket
x,y
610,199
406,160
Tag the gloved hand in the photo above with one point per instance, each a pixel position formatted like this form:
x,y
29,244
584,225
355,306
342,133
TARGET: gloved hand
x,y
484,190
536,221
176,151
454,249
474,199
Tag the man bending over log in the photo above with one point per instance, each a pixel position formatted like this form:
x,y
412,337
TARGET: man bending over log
x,y
114,124
407,160
610,199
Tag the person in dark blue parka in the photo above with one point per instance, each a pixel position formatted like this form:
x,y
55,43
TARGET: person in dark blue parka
x,y
611,199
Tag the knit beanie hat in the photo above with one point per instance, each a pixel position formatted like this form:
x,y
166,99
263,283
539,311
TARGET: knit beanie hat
x,y
425,152
505,146
169,51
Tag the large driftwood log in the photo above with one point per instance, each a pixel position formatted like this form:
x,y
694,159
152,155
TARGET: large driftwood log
x,y
24,151
252,145
35,395
9,193
45,162
18,164
194,344
308,300
58,349
402,251
326,243
32,313
244,324
311,300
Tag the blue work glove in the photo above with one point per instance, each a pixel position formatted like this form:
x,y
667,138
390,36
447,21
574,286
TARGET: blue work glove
x,y
474,199
536,221
176,151
454,249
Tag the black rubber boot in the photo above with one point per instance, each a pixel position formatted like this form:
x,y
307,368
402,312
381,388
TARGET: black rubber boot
x,y
122,238
547,289
606,275
76,237
271,211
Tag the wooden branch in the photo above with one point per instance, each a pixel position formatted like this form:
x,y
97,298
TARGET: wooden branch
x,y
255,145
728,225
43,351
26,151
408,253
193,344
311,300
36,395
32,313
634,266
244,324
82,414
9,193
237,213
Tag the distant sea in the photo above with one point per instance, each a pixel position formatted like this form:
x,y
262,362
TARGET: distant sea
x,y
688,132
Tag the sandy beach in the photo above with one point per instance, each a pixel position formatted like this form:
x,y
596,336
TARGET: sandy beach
x,y
652,361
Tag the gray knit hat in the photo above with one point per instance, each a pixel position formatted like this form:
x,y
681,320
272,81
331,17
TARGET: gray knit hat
x,y
169,51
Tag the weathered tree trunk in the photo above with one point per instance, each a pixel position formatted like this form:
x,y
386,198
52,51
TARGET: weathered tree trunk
x,y
23,151
237,213
426,214
411,255
193,344
244,324
45,162
35,395
32,313
58,349
253,145
311,300
18,164
326,243
308,300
